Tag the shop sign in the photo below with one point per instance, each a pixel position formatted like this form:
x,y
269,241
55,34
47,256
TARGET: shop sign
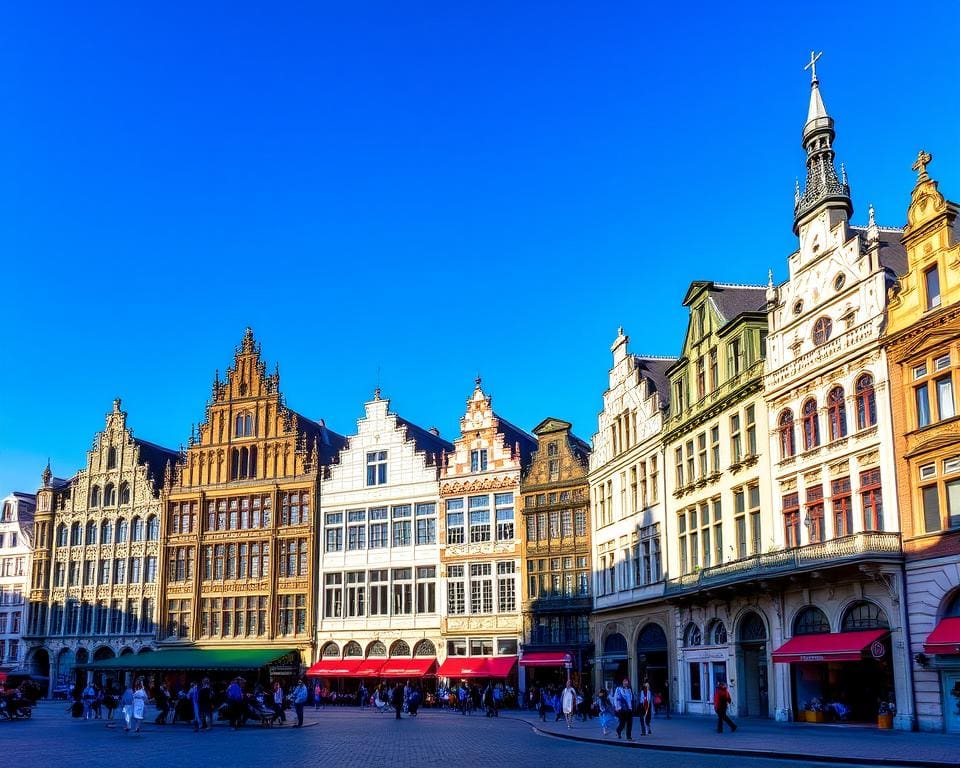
x,y
283,670
877,649
814,657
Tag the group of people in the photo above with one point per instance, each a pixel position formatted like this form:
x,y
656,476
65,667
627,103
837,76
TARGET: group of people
x,y
568,702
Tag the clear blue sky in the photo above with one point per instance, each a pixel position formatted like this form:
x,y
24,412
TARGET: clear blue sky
x,y
429,188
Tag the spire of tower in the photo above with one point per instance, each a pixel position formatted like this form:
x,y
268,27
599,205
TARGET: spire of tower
x,y
823,187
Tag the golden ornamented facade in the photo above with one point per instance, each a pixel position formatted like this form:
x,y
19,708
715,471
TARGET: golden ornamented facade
x,y
241,518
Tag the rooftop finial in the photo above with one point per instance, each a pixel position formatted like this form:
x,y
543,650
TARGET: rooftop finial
x,y
923,160
771,291
46,475
769,278
796,191
812,66
116,405
477,380
248,340
872,221
843,175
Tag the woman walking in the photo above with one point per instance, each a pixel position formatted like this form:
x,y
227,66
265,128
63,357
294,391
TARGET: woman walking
x,y
568,702
126,701
605,711
139,705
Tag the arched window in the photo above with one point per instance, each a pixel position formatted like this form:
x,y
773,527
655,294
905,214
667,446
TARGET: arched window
x,y
124,493
376,648
91,535
811,621
111,457
864,615
153,528
866,402
252,463
330,650
821,330
424,648
752,629
61,535
137,529
75,535
837,413
717,634
692,636
235,463
122,529
110,495
95,496
106,532
811,425
352,649
400,648
788,445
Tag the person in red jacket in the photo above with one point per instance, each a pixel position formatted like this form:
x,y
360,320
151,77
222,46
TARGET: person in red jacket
x,y
721,700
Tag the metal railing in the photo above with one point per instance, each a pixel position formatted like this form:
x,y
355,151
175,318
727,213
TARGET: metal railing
x,y
836,551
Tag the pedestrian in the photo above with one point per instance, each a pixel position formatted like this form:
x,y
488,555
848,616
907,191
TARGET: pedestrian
x,y
413,704
88,697
605,710
110,700
623,702
235,703
364,696
126,701
162,700
205,700
568,702
721,700
97,701
645,710
139,705
543,703
396,699
193,696
299,700
278,703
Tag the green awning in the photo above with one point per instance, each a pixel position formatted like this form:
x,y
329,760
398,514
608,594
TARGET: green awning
x,y
195,659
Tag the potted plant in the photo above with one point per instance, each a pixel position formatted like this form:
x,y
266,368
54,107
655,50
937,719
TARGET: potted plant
x,y
813,711
885,715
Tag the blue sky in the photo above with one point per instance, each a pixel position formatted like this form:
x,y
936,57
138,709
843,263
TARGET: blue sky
x,y
434,189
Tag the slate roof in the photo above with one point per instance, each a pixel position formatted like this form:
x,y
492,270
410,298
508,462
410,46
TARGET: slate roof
x,y
654,370
31,497
155,457
734,300
581,448
893,256
424,439
329,443
513,435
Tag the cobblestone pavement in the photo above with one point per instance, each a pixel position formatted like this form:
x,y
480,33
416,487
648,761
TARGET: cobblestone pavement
x,y
338,737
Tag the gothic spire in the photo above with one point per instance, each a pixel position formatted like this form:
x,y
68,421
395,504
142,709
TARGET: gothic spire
x,y
823,187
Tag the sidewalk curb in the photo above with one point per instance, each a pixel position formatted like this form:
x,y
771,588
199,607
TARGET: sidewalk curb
x,y
743,752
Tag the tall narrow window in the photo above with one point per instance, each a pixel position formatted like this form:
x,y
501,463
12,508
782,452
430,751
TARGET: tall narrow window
x,y
791,519
788,446
376,468
872,500
931,280
842,511
946,408
478,460
814,518
837,413
811,425
922,397
866,402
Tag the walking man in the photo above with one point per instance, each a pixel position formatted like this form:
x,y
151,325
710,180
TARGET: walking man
x,y
646,710
623,701
235,703
278,702
193,696
396,699
721,700
205,699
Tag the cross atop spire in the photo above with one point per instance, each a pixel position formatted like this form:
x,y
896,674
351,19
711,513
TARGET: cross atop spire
x,y
812,65
923,160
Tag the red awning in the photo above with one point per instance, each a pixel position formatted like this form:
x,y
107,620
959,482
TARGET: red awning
x,y
3,677
945,638
334,668
833,646
500,666
369,668
408,668
477,666
544,659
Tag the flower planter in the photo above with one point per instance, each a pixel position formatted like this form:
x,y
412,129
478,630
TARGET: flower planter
x,y
885,722
814,716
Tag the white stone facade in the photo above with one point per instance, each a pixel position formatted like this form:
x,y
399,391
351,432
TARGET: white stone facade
x,y
16,551
379,552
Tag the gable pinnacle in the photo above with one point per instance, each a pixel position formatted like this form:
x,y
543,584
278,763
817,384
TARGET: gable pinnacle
x,y
47,474
923,160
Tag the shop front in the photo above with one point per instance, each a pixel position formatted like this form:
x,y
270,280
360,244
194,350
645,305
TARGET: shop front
x,y
943,646
843,677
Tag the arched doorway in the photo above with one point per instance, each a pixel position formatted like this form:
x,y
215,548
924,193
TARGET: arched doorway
x,y
82,658
652,660
102,654
752,658
38,662
65,664
615,659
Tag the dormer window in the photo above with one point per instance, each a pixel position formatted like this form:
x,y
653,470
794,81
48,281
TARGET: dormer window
x,y
478,460
821,330
376,468
931,281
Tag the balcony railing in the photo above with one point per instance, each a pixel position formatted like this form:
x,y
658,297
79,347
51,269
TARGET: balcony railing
x,y
826,553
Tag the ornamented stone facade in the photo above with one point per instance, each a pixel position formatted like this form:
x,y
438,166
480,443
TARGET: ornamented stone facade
x,y
16,556
480,544
717,502
556,523
632,625
380,550
922,342
241,518
95,580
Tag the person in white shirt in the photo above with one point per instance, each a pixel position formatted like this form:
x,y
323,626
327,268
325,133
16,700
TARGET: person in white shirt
x,y
645,702
623,703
